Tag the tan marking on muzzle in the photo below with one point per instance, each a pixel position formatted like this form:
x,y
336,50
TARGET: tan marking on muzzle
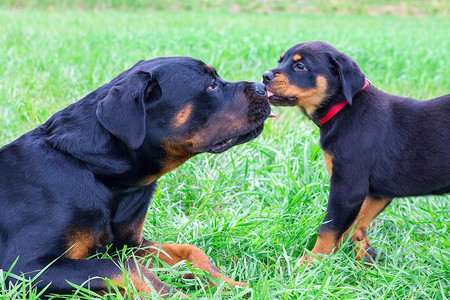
x,y
179,149
307,99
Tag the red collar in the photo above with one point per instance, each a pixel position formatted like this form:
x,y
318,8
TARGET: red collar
x,y
336,108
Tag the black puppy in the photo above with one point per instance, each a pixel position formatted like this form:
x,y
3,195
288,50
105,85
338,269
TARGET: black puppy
x,y
83,180
376,148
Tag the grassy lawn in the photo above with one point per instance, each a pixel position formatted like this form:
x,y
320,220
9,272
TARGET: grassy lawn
x,y
257,207
385,7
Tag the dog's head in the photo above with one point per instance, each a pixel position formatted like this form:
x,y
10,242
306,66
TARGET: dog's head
x,y
313,75
181,107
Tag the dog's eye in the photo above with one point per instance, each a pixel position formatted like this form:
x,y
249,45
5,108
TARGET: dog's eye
x,y
300,67
213,85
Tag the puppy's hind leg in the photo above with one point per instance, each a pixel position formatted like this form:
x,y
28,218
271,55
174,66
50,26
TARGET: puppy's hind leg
x,y
370,209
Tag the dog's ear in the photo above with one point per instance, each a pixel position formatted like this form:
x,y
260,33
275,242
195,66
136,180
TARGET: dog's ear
x,y
352,78
123,111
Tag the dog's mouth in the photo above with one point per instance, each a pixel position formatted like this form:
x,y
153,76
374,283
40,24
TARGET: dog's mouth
x,y
279,100
259,113
225,144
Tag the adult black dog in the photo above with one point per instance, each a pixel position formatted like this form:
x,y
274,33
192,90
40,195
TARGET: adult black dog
x,y
83,180
376,148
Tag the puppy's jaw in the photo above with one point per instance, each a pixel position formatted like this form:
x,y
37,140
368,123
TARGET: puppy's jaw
x,y
288,94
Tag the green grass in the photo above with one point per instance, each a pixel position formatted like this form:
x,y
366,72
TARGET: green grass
x,y
380,7
257,207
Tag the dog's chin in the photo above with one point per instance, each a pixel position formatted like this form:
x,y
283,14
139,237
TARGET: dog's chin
x,y
226,143
282,101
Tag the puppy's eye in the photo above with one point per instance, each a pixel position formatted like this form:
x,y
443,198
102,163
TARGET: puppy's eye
x,y
213,85
300,67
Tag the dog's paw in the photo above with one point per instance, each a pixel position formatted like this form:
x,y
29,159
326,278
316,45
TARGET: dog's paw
x,y
365,253
307,259
235,284
369,256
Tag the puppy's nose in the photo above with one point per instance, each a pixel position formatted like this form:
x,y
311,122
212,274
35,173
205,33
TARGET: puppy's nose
x,y
260,88
267,77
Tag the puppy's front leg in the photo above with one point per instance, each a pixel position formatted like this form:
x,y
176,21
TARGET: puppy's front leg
x,y
348,190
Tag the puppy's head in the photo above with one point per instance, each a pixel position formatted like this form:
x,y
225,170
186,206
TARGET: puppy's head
x,y
313,75
181,107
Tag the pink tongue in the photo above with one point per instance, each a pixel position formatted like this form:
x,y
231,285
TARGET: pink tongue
x,y
272,115
269,94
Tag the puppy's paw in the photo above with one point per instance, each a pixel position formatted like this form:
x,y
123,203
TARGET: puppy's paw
x,y
307,259
369,256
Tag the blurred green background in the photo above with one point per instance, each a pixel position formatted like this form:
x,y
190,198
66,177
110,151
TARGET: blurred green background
x,y
371,7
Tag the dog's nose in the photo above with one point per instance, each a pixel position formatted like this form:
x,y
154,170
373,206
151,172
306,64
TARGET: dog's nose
x,y
267,77
260,88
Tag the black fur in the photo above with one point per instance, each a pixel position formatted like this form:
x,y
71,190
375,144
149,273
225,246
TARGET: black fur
x,y
84,174
382,146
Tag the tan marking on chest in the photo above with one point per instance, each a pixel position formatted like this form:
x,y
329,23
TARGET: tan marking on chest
x,y
176,155
328,162
132,231
81,244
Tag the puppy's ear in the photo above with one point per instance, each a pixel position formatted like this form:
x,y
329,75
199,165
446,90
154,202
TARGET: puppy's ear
x,y
123,111
352,78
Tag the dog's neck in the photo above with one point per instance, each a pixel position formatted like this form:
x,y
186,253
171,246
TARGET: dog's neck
x,y
71,133
327,112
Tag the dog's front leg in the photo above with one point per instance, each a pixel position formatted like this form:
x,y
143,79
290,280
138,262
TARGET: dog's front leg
x,y
174,253
55,277
344,203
